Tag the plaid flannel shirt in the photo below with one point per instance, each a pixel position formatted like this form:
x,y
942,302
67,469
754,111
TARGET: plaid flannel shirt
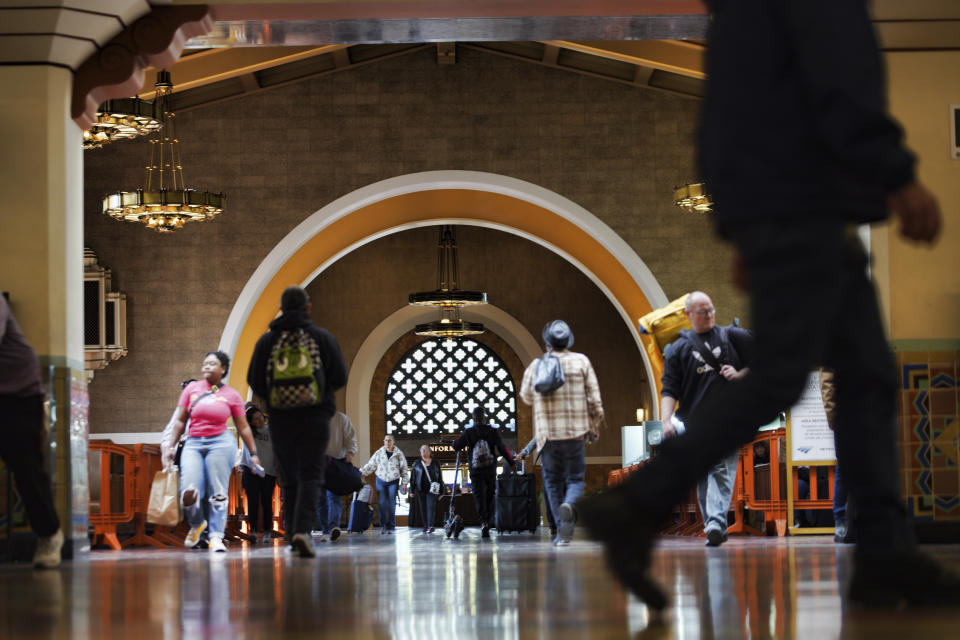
x,y
564,414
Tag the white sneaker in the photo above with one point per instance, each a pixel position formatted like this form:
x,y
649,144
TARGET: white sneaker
x,y
319,536
193,536
216,545
47,554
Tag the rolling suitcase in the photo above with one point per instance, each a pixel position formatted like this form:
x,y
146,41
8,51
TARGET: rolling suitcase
x,y
516,502
361,513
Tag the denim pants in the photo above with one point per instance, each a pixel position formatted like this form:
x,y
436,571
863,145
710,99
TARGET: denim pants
x,y
205,467
387,503
564,465
812,305
714,492
329,511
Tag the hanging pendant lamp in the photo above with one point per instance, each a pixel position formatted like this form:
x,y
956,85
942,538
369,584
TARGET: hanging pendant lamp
x,y
448,298
123,119
164,204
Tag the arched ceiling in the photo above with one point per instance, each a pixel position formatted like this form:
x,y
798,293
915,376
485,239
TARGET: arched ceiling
x,y
653,44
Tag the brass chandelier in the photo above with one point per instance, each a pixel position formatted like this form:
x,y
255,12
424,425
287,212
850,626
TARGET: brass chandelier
x,y
123,119
164,204
448,298
693,197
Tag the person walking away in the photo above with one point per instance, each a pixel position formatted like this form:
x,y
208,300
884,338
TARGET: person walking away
x,y
295,369
563,420
484,442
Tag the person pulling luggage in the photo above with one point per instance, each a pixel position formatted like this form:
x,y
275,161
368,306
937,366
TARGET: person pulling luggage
x,y
484,440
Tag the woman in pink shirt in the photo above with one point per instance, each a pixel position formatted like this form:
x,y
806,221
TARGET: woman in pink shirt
x,y
209,450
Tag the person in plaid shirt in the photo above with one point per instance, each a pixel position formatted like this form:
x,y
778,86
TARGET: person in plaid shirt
x,y
562,421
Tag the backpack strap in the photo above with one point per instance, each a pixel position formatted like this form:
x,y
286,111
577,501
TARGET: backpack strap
x,y
726,348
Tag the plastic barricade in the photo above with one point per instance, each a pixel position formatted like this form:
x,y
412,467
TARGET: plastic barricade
x,y
112,490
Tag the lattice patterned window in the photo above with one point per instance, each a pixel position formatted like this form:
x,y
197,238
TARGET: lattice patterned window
x,y
436,385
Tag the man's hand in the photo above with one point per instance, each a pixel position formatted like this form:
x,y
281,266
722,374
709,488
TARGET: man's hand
x,y
669,430
518,457
918,210
348,457
594,435
731,373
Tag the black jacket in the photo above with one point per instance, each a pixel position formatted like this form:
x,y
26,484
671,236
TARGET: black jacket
x,y
420,480
688,375
476,432
795,124
334,368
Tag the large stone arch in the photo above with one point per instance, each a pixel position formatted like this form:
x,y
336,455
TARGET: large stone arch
x,y
447,197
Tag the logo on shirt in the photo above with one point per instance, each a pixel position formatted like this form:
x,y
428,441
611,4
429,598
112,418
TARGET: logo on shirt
x,y
706,366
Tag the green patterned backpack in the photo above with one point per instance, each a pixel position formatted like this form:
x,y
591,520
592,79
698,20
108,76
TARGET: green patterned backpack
x,y
293,370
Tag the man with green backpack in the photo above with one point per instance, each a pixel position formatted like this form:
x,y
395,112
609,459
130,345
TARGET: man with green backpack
x,y
295,370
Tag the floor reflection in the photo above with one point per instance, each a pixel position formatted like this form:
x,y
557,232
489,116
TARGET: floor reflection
x,y
418,587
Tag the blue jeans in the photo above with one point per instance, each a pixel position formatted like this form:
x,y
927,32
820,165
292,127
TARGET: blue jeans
x,y
564,465
329,510
205,468
714,492
387,503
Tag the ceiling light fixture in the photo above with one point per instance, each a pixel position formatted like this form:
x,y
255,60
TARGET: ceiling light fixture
x,y
693,198
123,119
447,297
164,204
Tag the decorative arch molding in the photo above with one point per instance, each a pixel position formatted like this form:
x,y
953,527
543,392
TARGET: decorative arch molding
x,y
116,69
429,198
395,326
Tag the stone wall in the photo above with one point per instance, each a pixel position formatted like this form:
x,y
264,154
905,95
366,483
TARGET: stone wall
x,y
280,155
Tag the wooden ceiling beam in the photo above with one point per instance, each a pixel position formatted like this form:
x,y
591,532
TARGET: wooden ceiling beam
x,y
682,58
214,65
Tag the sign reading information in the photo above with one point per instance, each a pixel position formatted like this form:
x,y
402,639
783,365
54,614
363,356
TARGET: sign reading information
x,y
810,437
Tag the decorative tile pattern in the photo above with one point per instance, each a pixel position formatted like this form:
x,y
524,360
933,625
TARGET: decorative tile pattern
x,y
929,428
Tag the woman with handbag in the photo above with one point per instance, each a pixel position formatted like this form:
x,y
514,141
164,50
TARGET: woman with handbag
x,y
390,466
426,485
209,451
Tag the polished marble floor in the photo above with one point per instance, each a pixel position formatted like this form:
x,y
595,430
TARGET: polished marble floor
x,y
417,587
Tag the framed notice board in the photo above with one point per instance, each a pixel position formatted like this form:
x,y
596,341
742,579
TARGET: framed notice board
x,y
809,444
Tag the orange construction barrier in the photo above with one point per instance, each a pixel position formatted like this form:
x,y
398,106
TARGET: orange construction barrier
x,y
112,490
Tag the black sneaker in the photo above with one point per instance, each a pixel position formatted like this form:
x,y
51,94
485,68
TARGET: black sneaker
x,y
715,537
890,580
627,534
485,531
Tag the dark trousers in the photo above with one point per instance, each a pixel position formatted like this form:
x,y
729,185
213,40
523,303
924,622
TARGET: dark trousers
x,y
300,447
22,447
428,507
812,304
259,499
484,486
